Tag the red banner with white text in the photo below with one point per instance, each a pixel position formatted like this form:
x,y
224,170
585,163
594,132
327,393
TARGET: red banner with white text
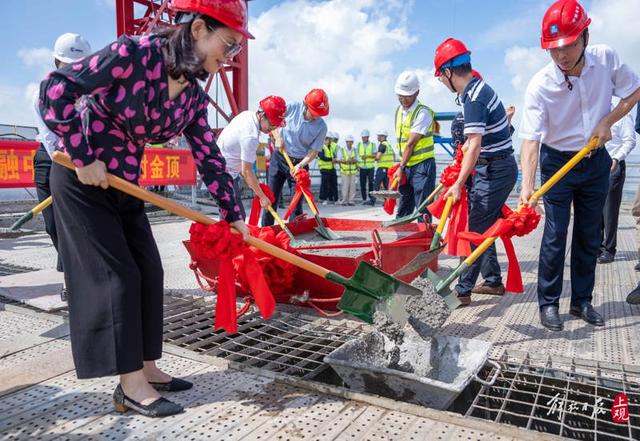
x,y
159,166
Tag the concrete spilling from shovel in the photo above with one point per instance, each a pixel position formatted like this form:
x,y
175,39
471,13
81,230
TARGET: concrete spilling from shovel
x,y
413,363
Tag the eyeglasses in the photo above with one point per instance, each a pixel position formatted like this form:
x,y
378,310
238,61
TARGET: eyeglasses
x,y
233,48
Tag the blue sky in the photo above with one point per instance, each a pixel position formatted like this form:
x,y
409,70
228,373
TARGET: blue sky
x,y
503,36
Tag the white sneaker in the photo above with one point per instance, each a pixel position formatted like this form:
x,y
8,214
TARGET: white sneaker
x,y
325,203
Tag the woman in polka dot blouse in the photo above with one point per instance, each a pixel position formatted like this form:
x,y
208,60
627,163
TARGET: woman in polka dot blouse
x,y
106,108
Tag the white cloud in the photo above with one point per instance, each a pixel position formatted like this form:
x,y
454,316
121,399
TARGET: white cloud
x,y
522,63
613,24
40,59
342,46
17,105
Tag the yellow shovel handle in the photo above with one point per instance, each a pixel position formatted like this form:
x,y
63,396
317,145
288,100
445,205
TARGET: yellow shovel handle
x,y
276,217
445,215
553,180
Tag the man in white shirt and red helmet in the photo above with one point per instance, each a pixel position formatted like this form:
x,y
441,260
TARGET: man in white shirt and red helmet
x,y
566,104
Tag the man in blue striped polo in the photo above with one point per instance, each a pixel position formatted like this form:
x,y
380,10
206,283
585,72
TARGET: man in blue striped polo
x,y
489,153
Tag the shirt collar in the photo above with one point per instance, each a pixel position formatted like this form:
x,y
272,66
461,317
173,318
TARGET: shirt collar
x,y
468,87
410,109
589,62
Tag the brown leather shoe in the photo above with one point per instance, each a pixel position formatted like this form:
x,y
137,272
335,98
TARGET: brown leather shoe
x,y
464,300
486,289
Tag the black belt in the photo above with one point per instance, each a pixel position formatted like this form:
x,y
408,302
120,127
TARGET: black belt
x,y
571,154
485,161
294,160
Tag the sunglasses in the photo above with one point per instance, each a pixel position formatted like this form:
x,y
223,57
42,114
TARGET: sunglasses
x,y
233,48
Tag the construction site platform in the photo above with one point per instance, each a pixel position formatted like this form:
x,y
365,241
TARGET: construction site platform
x,y
268,382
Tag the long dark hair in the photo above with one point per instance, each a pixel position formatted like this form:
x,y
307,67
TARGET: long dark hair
x,y
179,52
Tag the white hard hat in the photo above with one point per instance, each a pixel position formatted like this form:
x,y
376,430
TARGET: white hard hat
x,y
329,135
407,83
382,132
336,135
71,47
348,138
364,133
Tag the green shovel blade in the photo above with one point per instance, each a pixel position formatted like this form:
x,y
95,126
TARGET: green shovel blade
x,y
371,289
444,291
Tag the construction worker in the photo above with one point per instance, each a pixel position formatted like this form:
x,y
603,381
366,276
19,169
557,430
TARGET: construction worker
x,y
566,104
489,154
347,159
302,138
137,90
239,142
623,141
67,49
415,124
385,158
333,188
327,169
366,163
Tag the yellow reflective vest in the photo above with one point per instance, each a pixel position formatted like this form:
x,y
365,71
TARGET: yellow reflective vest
x,y
424,148
348,169
328,152
388,158
367,149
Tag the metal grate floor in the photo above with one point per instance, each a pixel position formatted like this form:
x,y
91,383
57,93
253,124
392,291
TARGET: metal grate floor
x,y
7,269
561,396
291,343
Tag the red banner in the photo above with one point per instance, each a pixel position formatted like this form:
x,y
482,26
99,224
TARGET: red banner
x,y
16,163
159,166
167,167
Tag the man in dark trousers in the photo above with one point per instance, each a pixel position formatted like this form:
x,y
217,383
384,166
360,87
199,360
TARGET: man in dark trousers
x,y
67,49
567,103
623,141
634,296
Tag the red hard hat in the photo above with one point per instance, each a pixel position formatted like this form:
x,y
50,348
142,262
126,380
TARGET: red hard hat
x,y
231,13
275,108
317,102
476,74
447,51
563,23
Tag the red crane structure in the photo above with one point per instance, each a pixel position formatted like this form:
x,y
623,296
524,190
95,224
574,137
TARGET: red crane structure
x,y
138,17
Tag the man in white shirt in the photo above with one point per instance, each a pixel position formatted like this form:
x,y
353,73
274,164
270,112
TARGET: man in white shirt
x,y
566,104
239,142
623,140
415,125
67,49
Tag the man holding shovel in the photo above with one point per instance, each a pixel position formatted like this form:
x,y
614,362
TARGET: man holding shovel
x,y
489,153
567,103
302,138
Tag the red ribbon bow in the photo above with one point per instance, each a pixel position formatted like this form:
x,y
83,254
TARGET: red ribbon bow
x,y
514,223
390,204
236,260
303,185
255,205
459,215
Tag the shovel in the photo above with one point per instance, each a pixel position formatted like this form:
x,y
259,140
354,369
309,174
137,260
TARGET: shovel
x,y
443,286
416,213
368,290
387,194
292,240
31,213
321,228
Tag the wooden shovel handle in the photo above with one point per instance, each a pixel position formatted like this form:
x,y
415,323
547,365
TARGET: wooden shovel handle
x,y
182,211
444,215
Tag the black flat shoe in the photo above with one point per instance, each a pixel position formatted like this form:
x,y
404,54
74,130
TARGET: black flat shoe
x,y
158,409
175,385
587,313
550,318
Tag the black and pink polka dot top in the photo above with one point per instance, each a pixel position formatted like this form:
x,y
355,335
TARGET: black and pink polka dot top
x,y
123,105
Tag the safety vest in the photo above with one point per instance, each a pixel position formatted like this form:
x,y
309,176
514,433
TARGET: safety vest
x,y
424,148
348,169
334,149
388,157
328,152
365,149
